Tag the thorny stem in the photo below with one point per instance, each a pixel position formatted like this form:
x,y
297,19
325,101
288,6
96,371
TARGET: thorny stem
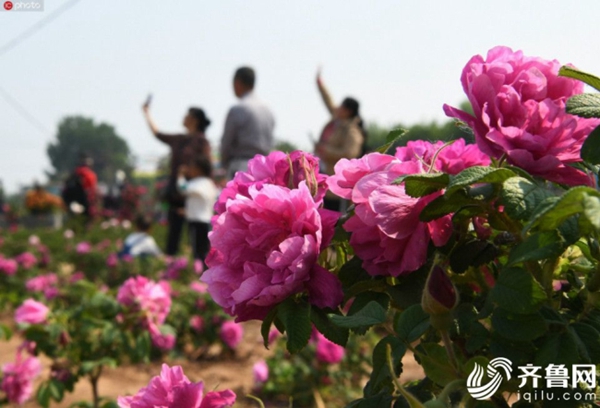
x,y
413,402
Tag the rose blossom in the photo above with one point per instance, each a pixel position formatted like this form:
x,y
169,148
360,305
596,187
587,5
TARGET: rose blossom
x,y
277,168
31,312
231,333
260,369
18,377
387,234
41,282
8,266
163,341
27,260
327,351
197,323
34,240
265,248
83,247
519,112
112,260
142,294
172,389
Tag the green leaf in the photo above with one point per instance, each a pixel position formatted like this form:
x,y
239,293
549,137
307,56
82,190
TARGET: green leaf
x,y
57,390
557,348
352,273
518,327
5,332
391,139
477,337
591,210
586,105
588,341
541,245
324,324
295,316
473,253
552,212
381,378
584,77
436,364
520,197
478,174
517,291
43,395
376,401
411,323
590,151
409,289
423,184
373,313
446,204
265,327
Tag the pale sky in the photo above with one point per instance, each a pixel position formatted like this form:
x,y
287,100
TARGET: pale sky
x,y
401,59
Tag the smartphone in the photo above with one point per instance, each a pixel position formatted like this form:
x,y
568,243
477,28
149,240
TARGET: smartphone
x,y
148,100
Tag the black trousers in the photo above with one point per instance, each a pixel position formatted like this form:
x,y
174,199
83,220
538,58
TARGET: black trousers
x,y
198,232
176,222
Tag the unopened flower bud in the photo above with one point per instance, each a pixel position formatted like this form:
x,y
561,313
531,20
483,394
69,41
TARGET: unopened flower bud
x,y
439,297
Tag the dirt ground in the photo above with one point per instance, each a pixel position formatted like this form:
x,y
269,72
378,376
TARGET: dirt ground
x,y
234,373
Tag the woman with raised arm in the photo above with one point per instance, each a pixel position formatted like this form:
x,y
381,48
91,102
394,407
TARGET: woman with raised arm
x,y
343,137
184,148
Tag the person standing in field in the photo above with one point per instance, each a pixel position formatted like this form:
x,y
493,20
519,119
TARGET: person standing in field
x,y
184,148
248,127
343,137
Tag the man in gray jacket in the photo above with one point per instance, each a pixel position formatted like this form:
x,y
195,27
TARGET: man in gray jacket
x,y
248,127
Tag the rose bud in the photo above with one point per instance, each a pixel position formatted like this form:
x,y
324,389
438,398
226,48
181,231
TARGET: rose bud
x,y
439,297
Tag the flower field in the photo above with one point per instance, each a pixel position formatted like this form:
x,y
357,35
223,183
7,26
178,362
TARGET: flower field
x,y
480,262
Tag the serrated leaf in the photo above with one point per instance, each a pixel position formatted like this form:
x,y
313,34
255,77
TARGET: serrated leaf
x,y
557,348
590,151
552,212
584,77
295,316
446,204
591,210
588,340
517,291
436,364
473,253
380,378
391,138
478,174
423,184
586,105
373,313
323,323
43,395
411,323
265,327
520,197
518,327
541,245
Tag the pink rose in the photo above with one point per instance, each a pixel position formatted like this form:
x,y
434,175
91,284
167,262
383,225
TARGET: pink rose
x,y
112,260
144,295
163,341
83,247
34,240
260,369
327,351
265,248
41,282
231,333
8,266
277,168
27,260
77,276
199,287
18,378
172,389
387,234
519,112
197,323
31,312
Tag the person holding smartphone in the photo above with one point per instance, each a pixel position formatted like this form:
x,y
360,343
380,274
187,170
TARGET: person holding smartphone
x,y
184,147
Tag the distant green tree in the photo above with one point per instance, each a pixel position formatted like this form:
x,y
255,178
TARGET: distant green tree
x,y
77,135
285,146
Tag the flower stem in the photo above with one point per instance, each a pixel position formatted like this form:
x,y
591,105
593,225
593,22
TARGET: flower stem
x,y
450,351
413,402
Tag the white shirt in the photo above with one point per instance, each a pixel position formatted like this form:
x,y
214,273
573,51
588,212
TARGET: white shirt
x,y
141,243
200,197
